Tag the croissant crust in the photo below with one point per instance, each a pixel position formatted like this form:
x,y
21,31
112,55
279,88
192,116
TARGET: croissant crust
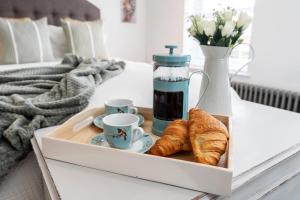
x,y
208,137
173,139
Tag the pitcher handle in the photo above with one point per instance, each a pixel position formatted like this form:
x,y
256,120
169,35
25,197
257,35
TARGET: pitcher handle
x,y
208,81
247,63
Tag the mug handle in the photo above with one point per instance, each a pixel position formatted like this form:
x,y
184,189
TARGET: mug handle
x,y
133,110
247,63
138,133
207,79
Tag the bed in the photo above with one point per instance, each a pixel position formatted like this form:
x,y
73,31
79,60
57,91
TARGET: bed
x,y
25,181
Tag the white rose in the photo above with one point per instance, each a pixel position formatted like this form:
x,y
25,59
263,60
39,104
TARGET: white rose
x,y
244,20
200,26
209,28
228,29
198,18
234,33
192,30
198,22
227,15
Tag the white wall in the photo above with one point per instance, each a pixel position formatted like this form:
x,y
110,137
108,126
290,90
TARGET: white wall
x,y
159,22
123,40
164,25
276,31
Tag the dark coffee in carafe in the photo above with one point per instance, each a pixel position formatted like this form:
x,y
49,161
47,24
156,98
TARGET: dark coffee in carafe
x,y
167,105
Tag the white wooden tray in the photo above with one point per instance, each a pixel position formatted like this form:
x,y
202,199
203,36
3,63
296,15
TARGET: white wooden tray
x,y
70,142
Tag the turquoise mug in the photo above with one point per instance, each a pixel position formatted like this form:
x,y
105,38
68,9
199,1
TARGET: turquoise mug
x,y
121,130
120,106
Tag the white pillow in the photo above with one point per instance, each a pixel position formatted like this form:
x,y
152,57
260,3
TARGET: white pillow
x,y
58,41
24,41
85,38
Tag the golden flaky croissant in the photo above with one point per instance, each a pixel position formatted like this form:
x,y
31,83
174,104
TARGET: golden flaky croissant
x,y
208,137
174,139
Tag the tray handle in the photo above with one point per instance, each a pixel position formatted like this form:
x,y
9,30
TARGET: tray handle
x,y
76,123
86,122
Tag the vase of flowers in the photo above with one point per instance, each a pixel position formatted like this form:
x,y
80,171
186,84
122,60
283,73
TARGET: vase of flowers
x,y
217,38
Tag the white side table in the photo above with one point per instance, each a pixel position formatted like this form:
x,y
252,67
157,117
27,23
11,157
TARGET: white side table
x,y
266,164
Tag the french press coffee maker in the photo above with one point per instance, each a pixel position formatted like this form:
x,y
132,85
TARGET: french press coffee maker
x,y
171,88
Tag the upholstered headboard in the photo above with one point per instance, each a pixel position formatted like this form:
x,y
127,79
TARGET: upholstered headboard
x,y
53,9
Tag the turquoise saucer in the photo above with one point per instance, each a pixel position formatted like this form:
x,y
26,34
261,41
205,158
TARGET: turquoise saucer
x,y
141,146
99,124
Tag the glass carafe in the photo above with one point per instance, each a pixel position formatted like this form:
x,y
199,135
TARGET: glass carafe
x,y
171,86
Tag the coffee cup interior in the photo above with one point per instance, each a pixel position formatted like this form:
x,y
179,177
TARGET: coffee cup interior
x,y
119,102
120,119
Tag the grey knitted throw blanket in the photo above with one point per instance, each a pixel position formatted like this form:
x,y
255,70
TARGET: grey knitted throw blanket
x,y
35,98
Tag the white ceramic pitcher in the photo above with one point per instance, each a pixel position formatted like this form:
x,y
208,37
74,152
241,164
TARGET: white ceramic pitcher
x,y
216,95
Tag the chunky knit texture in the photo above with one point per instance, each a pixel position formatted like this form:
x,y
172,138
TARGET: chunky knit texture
x,y
36,98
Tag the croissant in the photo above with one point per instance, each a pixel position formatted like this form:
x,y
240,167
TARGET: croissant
x,y
208,137
187,146
173,140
